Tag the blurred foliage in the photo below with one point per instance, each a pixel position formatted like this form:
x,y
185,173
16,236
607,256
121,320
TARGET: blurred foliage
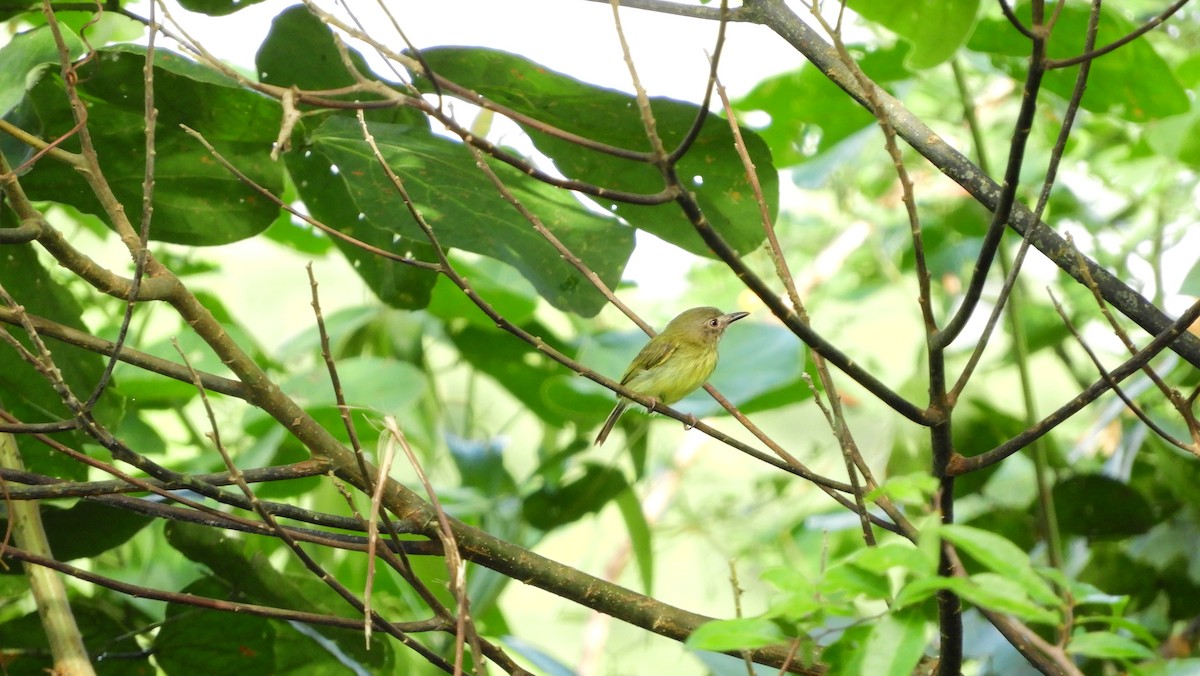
x,y
504,431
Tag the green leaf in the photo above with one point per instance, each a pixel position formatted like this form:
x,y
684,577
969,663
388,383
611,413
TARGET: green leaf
x,y
196,200
382,386
464,210
918,590
640,538
1097,506
1107,645
24,392
1116,622
502,286
192,640
110,626
329,201
934,28
1004,595
373,387
711,167
1015,525
895,644
26,58
847,578
1133,83
738,634
797,599
152,390
1002,557
552,506
890,555
907,489
106,527
216,7
242,568
761,368
847,654
546,388
1175,137
986,590
300,51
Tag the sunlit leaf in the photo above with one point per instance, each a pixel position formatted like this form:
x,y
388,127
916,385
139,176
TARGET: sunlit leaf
x,y
711,168
935,28
196,200
463,209
737,634
1133,82
1105,644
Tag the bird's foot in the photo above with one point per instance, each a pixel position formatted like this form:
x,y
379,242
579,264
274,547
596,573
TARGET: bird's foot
x,y
691,423
652,406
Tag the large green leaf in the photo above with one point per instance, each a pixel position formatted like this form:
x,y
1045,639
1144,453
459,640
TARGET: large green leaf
x,y
1002,557
192,640
559,504
196,201
24,392
216,7
934,28
464,210
300,51
1104,644
26,57
712,167
1133,82
330,202
110,628
547,389
895,645
498,284
1176,137
241,569
640,538
742,633
1100,507
106,527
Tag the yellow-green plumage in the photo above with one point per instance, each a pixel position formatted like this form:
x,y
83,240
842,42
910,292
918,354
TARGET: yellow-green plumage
x,y
676,361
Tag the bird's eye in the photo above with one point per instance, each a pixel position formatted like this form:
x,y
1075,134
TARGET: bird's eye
x,y
714,323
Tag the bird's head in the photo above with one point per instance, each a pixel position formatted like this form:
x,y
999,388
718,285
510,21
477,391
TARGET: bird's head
x,y
702,324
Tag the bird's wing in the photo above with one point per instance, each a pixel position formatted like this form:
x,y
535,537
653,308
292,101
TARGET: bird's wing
x,y
655,353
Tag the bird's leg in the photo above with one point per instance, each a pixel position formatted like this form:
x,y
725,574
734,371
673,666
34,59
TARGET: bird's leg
x,y
651,406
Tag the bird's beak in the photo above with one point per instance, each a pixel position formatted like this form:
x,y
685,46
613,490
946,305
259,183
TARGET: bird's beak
x,y
733,317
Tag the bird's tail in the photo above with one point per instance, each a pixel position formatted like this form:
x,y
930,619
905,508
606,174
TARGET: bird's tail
x,y
612,420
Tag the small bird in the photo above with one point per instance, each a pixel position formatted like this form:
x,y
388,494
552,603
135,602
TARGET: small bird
x,y
674,362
